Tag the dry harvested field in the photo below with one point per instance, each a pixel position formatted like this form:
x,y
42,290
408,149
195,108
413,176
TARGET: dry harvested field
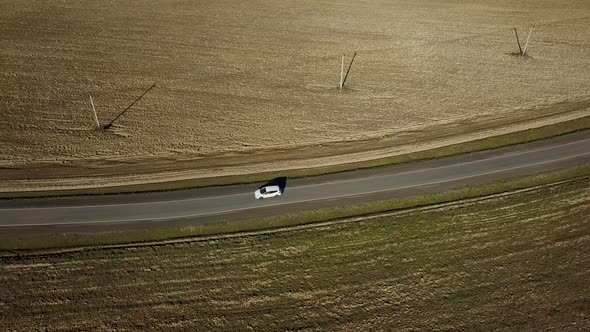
x,y
510,262
260,77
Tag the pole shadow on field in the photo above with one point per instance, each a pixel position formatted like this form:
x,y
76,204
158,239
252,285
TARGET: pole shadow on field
x,y
280,181
110,124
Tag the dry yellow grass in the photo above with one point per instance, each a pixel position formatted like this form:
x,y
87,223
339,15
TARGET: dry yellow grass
x,y
242,75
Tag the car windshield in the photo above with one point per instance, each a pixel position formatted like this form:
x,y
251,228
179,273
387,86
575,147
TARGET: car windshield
x,y
263,190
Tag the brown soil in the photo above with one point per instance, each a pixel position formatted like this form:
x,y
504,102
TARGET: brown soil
x,y
242,83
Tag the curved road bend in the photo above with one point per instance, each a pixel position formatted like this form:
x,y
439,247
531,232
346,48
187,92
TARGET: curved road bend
x,y
234,203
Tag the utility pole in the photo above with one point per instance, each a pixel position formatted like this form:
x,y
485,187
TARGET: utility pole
x,y
94,110
518,41
527,42
348,71
342,74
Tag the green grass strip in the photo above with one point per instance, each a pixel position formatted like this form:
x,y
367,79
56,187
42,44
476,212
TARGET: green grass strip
x,y
62,241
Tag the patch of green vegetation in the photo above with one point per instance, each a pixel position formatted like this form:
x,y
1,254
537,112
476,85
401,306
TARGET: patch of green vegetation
x,y
318,216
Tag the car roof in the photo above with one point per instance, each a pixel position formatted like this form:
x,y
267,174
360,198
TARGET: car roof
x,y
268,188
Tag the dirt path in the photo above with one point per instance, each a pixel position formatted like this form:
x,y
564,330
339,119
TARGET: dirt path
x,y
154,169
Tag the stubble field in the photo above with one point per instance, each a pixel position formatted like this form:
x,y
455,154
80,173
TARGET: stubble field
x,y
510,262
262,75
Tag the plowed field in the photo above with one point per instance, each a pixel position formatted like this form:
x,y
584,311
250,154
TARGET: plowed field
x,y
262,75
512,262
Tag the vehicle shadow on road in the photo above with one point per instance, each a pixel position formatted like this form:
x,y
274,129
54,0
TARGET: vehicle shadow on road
x,y
280,181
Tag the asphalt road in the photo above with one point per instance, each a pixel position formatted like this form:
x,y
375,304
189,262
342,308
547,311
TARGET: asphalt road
x,y
235,203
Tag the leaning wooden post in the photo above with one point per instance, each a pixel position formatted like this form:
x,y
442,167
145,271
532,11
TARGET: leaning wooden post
x,y
527,42
94,110
348,71
518,41
341,74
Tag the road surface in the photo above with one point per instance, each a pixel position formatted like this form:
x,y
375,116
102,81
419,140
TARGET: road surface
x,y
237,202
